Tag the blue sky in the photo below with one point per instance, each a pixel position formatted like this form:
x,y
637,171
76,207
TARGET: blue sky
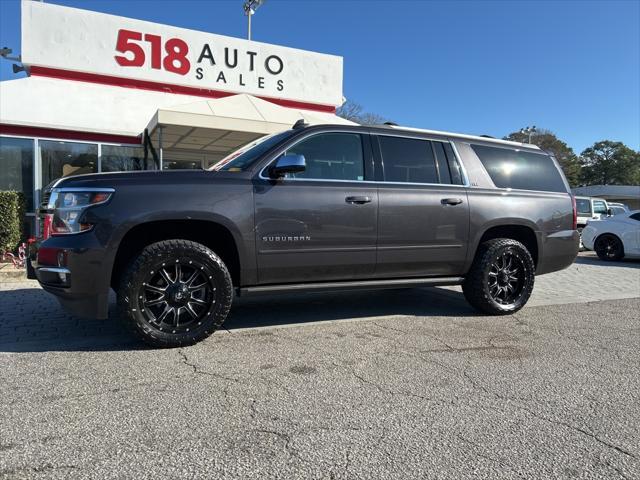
x,y
483,67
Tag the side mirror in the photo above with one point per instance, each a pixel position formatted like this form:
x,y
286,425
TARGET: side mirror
x,y
288,164
610,212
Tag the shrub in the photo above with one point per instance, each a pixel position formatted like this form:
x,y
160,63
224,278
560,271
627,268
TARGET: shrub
x,y
11,219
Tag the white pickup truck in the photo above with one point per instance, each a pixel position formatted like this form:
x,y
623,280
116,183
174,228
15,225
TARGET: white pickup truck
x,y
590,208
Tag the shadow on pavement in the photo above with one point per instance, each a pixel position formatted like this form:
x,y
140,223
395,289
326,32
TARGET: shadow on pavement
x,y
32,321
592,259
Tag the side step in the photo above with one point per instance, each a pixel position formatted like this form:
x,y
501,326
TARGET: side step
x,y
351,285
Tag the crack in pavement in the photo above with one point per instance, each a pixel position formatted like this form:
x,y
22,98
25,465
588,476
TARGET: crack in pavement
x,y
517,404
197,370
488,457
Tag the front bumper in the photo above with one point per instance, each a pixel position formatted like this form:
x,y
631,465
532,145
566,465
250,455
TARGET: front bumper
x,y
81,285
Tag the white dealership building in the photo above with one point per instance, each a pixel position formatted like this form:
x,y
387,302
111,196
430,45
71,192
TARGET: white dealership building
x,y
107,93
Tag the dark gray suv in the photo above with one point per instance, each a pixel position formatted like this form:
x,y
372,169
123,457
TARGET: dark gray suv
x,y
312,208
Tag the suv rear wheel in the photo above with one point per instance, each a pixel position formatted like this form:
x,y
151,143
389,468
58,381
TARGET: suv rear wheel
x,y
176,293
501,278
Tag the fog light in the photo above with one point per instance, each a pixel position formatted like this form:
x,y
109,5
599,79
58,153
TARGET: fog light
x,y
62,277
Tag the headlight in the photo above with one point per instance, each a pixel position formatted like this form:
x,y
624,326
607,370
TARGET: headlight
x,y
66,208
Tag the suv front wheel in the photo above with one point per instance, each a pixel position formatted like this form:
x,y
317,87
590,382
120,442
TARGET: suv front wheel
x,y
501,278
175,293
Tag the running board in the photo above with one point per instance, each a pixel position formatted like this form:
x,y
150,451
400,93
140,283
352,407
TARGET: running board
x,y
352,285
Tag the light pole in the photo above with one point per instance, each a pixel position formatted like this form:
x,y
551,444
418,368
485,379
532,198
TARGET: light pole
x,y
250,7
528,131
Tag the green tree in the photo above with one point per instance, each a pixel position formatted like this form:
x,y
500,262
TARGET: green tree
x,y
610,163
547,140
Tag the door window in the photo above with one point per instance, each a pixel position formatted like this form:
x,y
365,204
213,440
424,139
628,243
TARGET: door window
x,y
330,156
408,160
599,207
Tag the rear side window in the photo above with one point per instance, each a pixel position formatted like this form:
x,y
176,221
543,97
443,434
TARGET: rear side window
x,y
635,216
408,160
521,170
583,206
448,166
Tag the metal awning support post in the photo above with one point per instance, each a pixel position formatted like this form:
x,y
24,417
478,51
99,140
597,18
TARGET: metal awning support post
x,y
160,146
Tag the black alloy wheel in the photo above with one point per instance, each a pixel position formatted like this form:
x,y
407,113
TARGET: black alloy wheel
x,y
175,293
177,296
501,277
506,278
609,247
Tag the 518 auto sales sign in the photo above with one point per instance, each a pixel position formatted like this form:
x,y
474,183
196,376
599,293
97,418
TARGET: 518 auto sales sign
x,y
73,40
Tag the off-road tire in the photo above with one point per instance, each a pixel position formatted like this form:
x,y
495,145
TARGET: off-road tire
x,y
128,293
476,284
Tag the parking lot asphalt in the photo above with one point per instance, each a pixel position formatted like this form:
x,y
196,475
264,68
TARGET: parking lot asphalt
x,y
394,384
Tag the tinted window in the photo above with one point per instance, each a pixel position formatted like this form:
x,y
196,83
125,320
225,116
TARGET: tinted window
x,y
443,164
454,166
16,167
61,159
522,170
617,210
583,206
331,156
635,216
117,158
599,207
244,157
408,160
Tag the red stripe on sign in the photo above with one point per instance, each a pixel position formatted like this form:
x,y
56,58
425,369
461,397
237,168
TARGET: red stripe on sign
x,y
56,133
164,87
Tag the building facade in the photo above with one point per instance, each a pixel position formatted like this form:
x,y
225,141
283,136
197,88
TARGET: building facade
x,y
100,87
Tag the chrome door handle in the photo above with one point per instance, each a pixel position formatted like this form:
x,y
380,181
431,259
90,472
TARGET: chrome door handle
x,y
358,200
451,201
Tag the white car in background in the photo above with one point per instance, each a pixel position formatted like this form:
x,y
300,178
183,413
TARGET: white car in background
x,y
614,237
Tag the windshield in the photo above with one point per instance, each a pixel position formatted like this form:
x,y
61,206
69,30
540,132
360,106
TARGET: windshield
x,y
244,157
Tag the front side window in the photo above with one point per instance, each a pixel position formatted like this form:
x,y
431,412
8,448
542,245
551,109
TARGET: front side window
x,y
61,159
408,160
509,168
330,156
244,158
16,167
599,207
617,210
583,206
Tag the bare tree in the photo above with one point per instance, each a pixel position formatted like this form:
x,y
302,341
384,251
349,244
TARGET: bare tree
x,y
354,112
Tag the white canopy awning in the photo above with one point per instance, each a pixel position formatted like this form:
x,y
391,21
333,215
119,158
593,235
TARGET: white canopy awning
x,y
222,125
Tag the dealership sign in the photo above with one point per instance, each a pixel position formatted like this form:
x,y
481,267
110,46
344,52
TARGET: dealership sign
x,y
63,39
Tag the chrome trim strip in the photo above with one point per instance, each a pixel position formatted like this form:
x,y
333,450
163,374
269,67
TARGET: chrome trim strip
x,y
83,189
380,182
354,285
54,270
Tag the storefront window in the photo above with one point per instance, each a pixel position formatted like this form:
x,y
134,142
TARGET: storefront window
x,y
61,159
16,167
181,160
122,158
